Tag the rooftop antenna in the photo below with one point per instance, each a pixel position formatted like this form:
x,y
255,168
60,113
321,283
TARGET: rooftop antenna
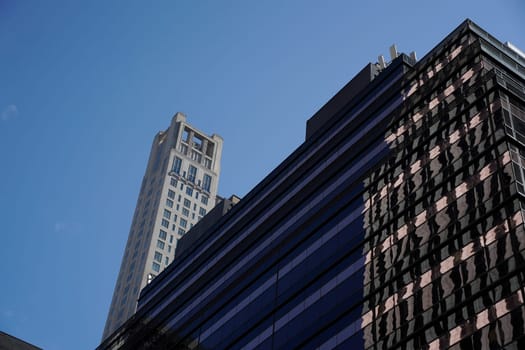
x,y
413,56
393,52
382,62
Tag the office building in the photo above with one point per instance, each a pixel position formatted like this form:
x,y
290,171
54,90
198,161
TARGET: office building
x,y
178,189
397,224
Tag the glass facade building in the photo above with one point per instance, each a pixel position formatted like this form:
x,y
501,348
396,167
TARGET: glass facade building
x,y
397,224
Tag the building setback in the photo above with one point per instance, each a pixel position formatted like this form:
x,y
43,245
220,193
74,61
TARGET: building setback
x,y
179,187
397,224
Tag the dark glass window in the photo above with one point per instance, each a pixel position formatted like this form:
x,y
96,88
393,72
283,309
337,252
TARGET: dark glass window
x,y
177,163
192,173
206,182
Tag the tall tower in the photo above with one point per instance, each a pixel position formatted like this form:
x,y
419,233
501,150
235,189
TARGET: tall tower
x,y
178,189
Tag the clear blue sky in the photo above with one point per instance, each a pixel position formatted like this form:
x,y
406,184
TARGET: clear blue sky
x,y
84,87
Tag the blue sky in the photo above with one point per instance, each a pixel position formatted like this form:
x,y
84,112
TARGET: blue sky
x,y
84,87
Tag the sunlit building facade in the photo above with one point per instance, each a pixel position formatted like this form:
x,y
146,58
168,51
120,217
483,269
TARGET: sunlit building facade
x,y
397,224
179,187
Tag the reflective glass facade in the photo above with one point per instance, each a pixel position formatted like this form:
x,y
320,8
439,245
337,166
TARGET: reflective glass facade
x,y
397,224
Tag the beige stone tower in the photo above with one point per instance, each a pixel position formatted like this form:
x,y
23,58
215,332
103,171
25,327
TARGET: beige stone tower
x,y
178,189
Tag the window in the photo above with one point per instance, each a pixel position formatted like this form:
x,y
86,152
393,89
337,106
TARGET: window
x,y
181,186
162,234
167,214
169,249
207,163
171,194
155,267
165,223
209,149
197,142
177,162
183,148
160,244
204,200
202,211
179,198
173,182
181,231
189,191
206,182
183,222
187,203
185,212
196,194
192,173
518,165
171,238
157,257
194,206
169,203
186,135
196,156
167,261
514,120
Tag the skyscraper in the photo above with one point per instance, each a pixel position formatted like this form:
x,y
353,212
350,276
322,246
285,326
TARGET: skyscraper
x,y
178,189
397,224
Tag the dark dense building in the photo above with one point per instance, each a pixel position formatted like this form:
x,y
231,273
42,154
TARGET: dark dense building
x,y
8,342
397,224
